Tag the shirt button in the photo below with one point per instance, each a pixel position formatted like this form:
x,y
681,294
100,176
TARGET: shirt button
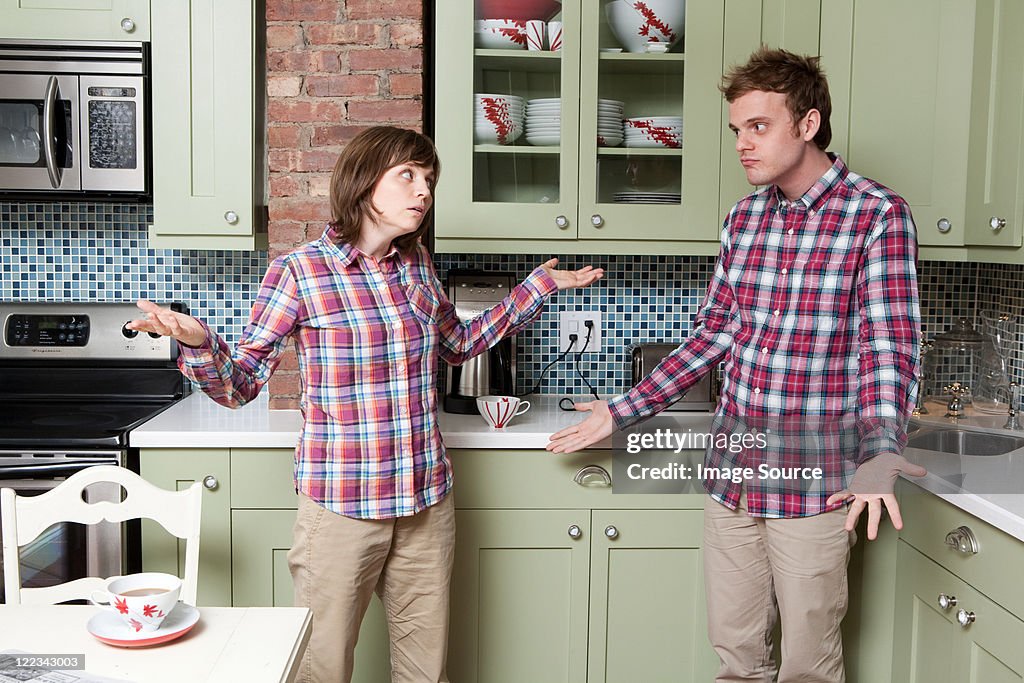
x,y
757,390
764,350
790,231
777,313
785,270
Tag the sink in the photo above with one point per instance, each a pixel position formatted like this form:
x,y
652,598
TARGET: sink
x,y
963,442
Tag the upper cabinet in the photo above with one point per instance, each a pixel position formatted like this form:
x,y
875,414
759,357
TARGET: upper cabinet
x,y
208,124
601,145
76,19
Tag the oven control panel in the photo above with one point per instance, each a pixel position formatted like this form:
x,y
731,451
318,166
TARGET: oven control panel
x,y
72,331
26,329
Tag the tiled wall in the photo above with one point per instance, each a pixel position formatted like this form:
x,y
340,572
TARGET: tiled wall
x,y
82,251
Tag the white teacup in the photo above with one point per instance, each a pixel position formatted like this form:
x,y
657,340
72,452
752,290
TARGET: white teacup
x,y
498,411
141,600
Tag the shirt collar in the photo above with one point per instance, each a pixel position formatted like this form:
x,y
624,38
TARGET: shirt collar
x,y
345,252
819,191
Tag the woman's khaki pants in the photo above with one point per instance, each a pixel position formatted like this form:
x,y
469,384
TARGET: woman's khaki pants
x,y
337,563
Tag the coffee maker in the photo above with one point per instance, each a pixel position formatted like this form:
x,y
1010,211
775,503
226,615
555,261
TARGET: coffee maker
x,y
493,371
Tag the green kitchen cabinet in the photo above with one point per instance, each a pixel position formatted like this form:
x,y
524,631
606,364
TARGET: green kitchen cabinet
x,y
109,20
208,125
176,470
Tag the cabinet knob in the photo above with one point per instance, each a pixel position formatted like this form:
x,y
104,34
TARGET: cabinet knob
x,y
996,223
943,225
611,532
947,601
593,476
562,222
575,532
231,217
596,220
210,482
965,618
127,25
963,540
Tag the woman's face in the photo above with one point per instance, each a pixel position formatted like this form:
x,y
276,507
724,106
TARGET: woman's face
x,y
402,197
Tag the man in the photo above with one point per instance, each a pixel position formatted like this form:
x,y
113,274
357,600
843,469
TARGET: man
x,y
813,307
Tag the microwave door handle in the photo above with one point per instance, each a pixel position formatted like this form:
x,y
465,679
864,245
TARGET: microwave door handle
x,y
54,469
49,145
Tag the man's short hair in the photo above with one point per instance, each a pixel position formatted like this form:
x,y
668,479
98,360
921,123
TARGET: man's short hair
x,y
798,77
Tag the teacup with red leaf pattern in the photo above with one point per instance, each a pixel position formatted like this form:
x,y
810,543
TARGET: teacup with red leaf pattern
x,y
141,600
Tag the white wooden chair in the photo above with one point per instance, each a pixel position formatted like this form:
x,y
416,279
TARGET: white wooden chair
x,y
24,518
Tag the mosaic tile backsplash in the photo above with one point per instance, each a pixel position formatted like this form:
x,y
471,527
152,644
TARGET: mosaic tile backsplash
x,y
100,252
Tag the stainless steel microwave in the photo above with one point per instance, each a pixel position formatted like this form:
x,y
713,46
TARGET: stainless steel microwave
x,y
74,119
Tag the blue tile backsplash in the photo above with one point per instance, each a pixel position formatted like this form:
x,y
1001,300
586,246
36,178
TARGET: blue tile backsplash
x,y
99,252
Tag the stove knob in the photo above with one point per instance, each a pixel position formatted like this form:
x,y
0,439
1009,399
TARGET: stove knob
x,y
129,334
154,335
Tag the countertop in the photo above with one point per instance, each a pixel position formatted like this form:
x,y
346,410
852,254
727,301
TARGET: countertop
x,y
990,487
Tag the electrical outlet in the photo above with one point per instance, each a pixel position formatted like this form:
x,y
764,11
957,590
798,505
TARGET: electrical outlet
x,y
574,322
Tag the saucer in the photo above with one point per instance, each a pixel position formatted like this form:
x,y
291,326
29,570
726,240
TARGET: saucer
x,y
108,627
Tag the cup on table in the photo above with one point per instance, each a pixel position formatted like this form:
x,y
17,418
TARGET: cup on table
x,y
535,34
554,36
141,600
498,411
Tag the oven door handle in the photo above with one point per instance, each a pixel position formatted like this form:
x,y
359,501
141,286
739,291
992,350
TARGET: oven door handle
x,y
49,144
53,469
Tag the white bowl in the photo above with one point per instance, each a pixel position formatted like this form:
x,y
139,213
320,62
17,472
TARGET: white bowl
x,y
488,134
634,28
543,140
557,101
500,34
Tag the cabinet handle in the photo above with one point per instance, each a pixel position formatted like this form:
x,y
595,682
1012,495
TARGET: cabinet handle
x,y
946,601
127,25
593,476
943,225
596,220
996,223
231,217
562,222
210,482
611,532
965,618
963,540
575,532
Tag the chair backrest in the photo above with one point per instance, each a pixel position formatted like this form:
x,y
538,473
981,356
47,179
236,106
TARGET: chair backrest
x,y
24,518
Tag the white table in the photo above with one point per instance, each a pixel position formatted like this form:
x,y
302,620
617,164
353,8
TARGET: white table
x,y
231,644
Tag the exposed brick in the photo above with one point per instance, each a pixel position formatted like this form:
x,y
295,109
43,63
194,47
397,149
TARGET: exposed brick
x,y
342,85
283,403
284,86
343,34
294,110
406,35
302,10
386,110
286,233
299,209
299,61
394,60
326,61
283,35
289,360
285,384
290,161
333,136
288,136
385,9
320,185
400,85
285,186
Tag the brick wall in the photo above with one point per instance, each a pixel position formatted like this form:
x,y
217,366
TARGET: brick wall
x,y
333,68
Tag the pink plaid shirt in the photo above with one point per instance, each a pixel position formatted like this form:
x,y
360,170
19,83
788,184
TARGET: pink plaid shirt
x,y
368,336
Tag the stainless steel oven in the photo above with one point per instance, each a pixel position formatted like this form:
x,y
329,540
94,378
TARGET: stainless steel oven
x,y
74,118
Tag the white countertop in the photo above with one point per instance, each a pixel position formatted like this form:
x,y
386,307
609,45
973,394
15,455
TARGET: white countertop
x,y
989,487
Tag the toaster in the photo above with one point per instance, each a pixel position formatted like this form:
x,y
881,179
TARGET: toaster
x,y
700,398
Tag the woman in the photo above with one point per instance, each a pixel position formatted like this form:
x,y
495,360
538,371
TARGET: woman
x,y
370,320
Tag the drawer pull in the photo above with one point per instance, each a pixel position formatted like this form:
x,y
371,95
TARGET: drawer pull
x,y
965,618
963,540
593,476
946,601
575,532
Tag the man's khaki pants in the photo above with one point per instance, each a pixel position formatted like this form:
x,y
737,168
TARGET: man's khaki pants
x,y
338,562
757,570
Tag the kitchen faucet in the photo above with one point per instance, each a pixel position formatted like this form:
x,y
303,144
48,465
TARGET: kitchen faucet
x,y
955,408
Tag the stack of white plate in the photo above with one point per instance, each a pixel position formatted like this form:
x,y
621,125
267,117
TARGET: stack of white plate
x,y
654,131
497,118
647,198
609,123
544,121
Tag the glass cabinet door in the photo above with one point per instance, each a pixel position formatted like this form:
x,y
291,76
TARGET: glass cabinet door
x,y
507,119
650,120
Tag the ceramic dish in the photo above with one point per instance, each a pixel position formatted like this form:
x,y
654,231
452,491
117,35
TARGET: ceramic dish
x,y
543,140
107,627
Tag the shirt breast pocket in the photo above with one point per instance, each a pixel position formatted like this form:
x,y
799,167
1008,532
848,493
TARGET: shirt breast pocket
x,y
424,303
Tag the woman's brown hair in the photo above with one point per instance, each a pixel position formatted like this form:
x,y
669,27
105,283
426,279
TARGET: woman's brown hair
x,y
799,78
361,164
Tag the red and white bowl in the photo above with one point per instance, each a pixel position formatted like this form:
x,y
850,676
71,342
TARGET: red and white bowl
x,y
501,34
635,23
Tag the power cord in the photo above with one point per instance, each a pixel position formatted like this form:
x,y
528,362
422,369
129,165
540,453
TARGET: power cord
x,y
586,342
536,387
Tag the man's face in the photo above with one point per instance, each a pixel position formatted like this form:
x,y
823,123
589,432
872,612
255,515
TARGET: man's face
x,y
770,146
